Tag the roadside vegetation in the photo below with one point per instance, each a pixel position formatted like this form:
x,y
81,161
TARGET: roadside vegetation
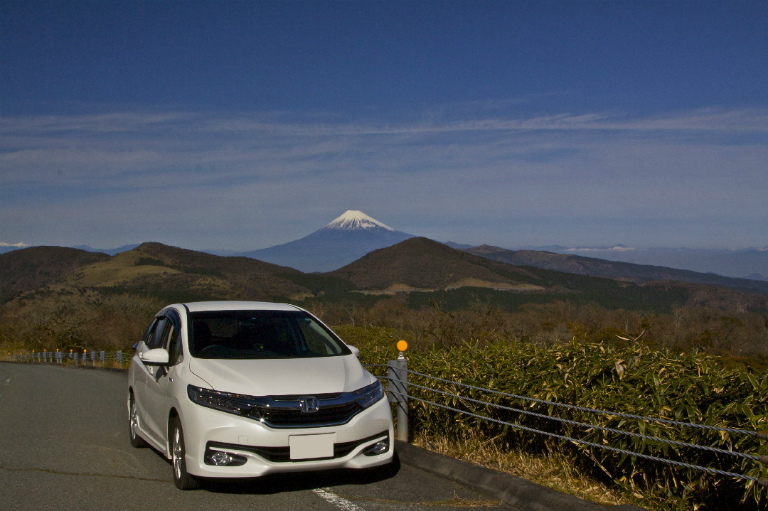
x,y
627,376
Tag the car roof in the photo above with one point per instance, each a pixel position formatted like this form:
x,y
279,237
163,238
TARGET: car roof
x,y
238,305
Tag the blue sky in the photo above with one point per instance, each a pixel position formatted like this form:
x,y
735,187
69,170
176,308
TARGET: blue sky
x,y
240,125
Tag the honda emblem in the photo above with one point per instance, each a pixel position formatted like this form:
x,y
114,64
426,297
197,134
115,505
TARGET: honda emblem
x,y
309,404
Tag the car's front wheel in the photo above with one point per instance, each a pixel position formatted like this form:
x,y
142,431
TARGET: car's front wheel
x,y
182,479
133,423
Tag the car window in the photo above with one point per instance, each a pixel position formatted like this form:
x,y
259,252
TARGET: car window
x,y
159,333
173,346
147,337
260,335
317,339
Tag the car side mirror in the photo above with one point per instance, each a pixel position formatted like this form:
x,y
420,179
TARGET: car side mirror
x,y
354,350
155,357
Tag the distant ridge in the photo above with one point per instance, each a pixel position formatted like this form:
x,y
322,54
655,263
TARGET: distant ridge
x,y
347,238
638,273
744,263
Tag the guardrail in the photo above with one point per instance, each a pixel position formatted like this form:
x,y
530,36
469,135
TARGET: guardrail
x,y
398,385
93,358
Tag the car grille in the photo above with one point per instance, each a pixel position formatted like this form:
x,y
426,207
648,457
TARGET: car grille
x,y
295,418
286,412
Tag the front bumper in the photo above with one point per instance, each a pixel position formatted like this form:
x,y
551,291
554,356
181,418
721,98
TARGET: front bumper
x,y
262,450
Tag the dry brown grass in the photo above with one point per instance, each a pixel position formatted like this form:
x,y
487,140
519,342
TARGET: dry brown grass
x,y
120,269
553,471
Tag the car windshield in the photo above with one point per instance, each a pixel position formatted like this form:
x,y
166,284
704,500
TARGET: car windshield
x,y
260,335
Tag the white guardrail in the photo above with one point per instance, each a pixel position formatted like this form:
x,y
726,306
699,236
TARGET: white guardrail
x,y
109,359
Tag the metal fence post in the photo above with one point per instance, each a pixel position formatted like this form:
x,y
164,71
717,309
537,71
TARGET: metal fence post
x,y
120,359
397,378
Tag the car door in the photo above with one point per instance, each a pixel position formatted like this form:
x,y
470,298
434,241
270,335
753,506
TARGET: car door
x,y
156,415
141,373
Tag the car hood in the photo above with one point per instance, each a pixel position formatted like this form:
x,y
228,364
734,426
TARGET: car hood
x,y
274,377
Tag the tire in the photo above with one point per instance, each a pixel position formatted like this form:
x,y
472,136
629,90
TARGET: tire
x,y
181,478
133,423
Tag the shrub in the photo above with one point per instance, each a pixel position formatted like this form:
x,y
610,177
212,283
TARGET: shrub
x,y
632,378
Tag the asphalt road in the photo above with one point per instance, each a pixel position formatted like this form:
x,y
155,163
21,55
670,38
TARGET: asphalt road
x,y
64,445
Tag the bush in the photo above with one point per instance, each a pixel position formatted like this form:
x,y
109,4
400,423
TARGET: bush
x,y
632,378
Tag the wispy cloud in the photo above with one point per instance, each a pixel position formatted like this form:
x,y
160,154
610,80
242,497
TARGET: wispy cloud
x,y
120,143
120,172
176,122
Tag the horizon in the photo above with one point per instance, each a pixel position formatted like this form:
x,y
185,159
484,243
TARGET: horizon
x,y
249,125
345,218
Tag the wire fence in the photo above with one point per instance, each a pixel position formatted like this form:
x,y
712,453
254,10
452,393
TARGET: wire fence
x,y
402,390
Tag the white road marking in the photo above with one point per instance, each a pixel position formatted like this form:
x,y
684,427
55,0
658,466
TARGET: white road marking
x,y
339,502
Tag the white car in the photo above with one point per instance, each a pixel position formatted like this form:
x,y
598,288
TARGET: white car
x,y
244,389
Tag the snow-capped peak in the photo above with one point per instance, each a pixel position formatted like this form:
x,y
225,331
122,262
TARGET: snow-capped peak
x,y
354,220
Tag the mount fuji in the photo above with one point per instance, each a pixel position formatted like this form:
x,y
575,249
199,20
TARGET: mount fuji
x,y
346,239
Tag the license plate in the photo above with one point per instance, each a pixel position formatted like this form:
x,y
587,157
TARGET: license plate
x,y
307,447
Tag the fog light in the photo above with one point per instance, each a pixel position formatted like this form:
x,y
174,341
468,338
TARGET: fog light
x,y
377,448
223,459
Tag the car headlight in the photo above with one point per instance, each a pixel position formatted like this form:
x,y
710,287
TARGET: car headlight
x,y
370,394
224,401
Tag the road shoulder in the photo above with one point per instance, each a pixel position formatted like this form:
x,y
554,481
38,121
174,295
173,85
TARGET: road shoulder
x,y
513,490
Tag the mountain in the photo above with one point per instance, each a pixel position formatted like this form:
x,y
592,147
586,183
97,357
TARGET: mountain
x,y
425,265
424,273
417,272
637,273
27,269
749,263
151,269
345,239
180,274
